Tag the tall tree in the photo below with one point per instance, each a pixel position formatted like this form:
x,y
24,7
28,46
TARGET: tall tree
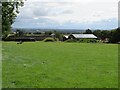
x,y
105,34
115,36
97,33
88,31
9,13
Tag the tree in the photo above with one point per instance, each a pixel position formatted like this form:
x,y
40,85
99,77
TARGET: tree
x,y
19,33
58,35
48,33
88,31
102,34
9,13
97,33
105,34
115,36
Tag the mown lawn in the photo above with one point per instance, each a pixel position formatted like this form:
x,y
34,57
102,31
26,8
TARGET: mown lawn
x,y
59,65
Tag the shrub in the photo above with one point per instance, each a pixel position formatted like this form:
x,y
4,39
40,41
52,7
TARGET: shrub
x,y
71,40
87,40
49,40
56,39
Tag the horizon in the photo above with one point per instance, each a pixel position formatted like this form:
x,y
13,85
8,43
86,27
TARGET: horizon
x,y
61,29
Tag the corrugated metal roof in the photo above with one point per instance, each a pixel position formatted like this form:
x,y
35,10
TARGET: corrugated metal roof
x,y
84,36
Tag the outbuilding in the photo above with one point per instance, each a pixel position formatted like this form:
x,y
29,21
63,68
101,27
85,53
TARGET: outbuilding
x,y
82,36
65,37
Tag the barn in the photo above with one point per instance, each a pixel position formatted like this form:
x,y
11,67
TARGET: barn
x,y
82,36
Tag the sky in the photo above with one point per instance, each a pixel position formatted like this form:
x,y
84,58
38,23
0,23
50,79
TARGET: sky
x,y
68,14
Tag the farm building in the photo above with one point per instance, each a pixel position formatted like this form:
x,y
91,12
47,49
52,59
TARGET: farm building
x,y
82,36
65,37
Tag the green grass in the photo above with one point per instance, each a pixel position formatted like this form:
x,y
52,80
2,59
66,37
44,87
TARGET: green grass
x,y
59,65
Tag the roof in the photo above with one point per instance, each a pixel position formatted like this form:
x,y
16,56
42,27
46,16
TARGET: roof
x,y
84,36
66,36
52,34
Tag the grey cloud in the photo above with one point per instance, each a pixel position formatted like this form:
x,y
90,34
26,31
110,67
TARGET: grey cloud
x,y
46,9
67,12
41,12
40,20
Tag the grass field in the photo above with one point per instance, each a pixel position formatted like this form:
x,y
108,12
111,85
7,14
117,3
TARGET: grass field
x,y
59,65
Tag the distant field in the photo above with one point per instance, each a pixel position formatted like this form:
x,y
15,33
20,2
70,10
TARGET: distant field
x,y
59,65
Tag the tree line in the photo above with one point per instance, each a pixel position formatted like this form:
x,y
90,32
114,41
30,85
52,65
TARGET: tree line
x,y
113,36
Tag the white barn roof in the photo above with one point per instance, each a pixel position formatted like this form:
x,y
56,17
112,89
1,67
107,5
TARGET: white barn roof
x,y
66,36
84,36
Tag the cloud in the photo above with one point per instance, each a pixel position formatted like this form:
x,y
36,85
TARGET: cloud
x,y
81,1
60,12
104,24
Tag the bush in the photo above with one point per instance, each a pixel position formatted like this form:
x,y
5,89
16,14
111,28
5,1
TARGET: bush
x,y
71,40
87,40
56,39
84,40
48,40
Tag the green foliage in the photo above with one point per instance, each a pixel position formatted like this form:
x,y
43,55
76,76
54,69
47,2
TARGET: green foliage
x,y
105,34
56,34
49,40
115,36
102,34
71,40
88,31
48,33
19,33
97,33
59,65
9,13
112,35
87,40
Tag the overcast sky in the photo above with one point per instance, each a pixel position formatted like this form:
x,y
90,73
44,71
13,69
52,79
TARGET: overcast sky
x,y
68,14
